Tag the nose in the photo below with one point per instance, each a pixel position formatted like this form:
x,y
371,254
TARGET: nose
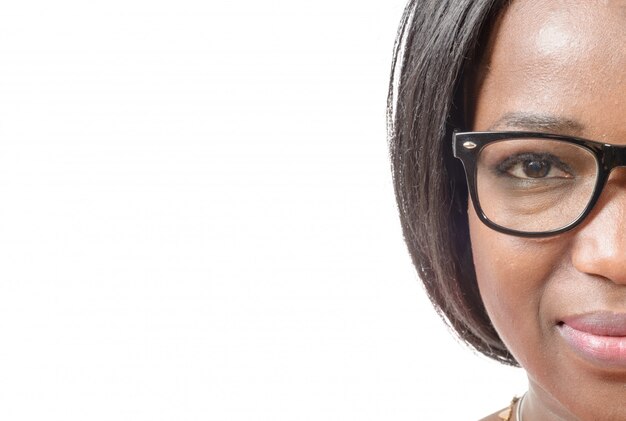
x,y
599,248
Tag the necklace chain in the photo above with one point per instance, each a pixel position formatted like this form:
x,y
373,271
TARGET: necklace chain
x,y
518,413
508,413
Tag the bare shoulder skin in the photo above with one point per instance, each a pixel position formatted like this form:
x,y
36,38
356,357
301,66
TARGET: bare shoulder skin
x,y
496,416
492,417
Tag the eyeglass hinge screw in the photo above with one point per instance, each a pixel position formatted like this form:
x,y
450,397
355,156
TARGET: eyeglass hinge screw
x,y
469,145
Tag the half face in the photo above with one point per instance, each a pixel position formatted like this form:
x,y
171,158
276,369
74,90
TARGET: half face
x,y
559,303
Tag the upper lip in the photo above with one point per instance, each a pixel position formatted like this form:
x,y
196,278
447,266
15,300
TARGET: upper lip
x,y
599,323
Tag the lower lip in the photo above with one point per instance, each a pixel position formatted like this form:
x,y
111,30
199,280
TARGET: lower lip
x,y
605,349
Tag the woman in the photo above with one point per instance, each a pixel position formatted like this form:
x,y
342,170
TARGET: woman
x,y
508,140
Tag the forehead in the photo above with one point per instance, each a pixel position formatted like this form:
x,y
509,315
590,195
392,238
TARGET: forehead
x,y
557,57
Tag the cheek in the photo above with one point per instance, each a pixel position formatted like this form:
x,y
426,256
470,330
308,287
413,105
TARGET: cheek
x,y
514,276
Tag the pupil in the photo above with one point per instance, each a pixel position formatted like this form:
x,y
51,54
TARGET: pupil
x,y
536,169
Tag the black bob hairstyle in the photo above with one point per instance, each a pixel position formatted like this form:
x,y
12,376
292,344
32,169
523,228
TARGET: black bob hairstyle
x,y
438,46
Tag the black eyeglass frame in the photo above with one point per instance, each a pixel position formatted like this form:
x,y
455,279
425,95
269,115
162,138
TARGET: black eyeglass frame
x,y
466,146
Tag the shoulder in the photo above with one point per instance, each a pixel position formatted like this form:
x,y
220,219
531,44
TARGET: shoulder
x,y
497,416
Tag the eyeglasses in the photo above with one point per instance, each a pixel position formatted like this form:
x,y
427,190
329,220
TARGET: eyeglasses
x,y
534,184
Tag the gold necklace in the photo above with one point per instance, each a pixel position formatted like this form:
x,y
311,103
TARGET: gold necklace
x,y
507,413
518,414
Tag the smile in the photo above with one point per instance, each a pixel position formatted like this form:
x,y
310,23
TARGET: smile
x,y
599,337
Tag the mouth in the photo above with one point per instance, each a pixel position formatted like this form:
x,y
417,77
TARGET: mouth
x,y
598,337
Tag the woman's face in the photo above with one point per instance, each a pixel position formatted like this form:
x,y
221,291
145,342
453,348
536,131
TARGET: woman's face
x,y
553,300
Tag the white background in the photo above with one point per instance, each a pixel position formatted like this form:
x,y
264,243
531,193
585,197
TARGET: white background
x,y
197,220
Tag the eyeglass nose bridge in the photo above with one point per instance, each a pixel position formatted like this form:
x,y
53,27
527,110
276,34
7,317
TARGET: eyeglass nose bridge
x,y
614,156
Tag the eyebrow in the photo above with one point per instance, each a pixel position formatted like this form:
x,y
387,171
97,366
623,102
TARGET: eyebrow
x,y
539,122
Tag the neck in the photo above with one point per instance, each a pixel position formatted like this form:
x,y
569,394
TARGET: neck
x,y
537,404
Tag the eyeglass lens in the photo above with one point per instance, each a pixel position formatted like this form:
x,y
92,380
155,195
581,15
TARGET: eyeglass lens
x,y
535,185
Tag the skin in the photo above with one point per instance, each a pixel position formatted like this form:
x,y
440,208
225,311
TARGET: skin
x,y
565,59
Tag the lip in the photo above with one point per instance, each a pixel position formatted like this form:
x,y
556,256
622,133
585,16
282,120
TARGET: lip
x,y
599,337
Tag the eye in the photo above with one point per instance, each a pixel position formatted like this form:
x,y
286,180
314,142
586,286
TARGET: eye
x,y
536,169
534,166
